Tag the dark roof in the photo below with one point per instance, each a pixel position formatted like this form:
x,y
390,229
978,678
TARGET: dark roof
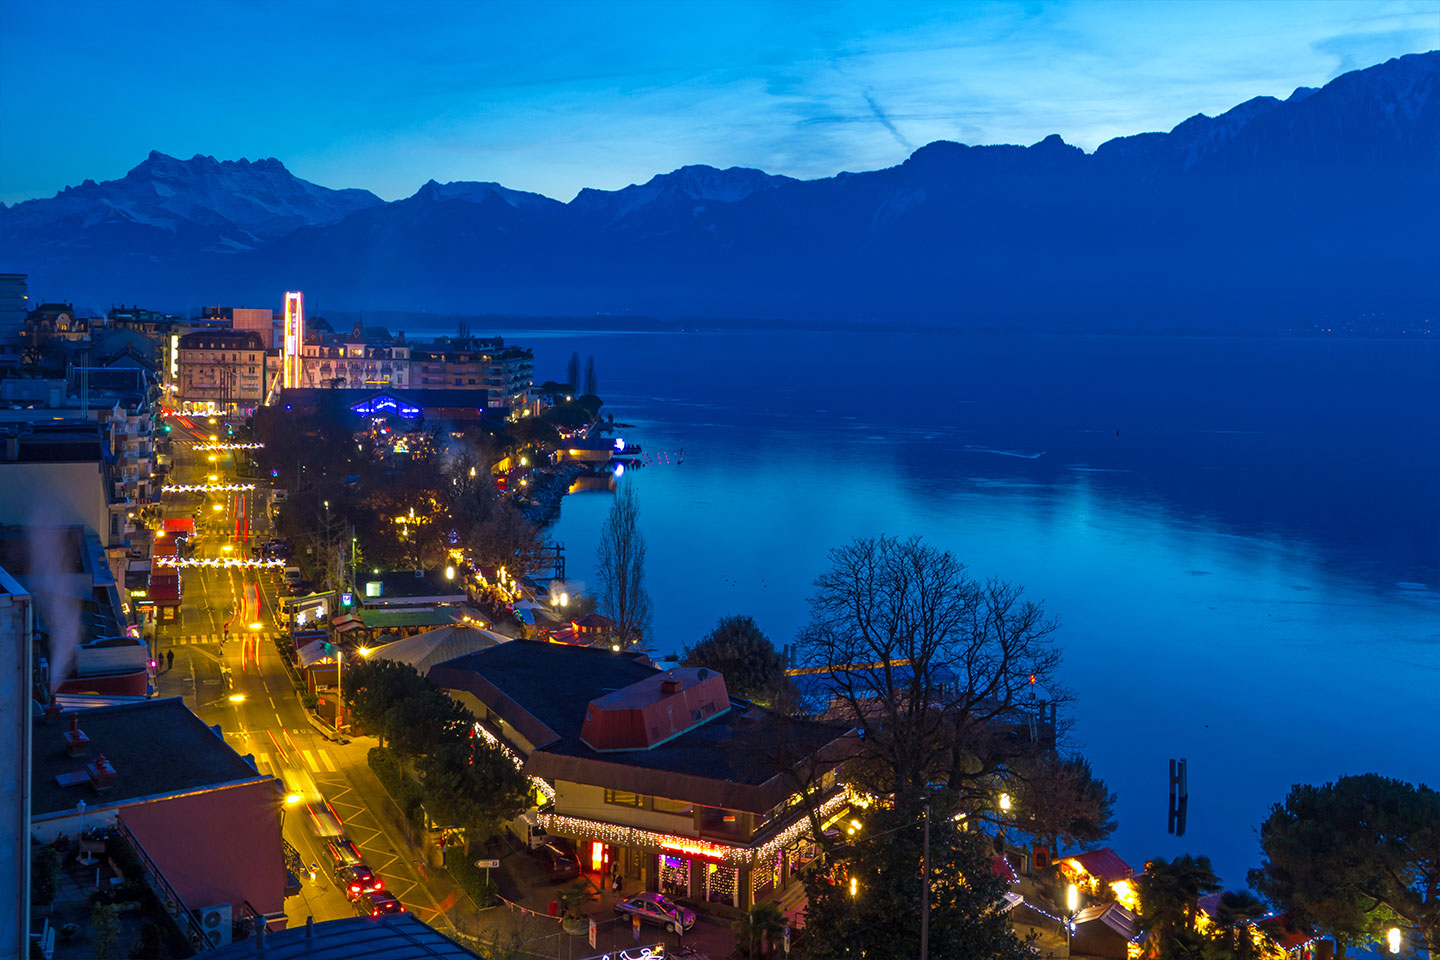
x,y
1112,915
735,760
407,617
396,936
349,396
157,747
1285,933
228,339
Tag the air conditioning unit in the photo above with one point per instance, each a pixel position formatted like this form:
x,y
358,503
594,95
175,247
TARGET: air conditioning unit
x,y
215,923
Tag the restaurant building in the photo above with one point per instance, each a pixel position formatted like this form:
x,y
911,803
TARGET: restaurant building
x,y
659,774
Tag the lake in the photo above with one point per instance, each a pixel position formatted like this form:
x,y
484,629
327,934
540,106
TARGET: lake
x,y
1240,538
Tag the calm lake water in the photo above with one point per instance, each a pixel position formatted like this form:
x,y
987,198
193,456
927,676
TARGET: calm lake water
x,y
1240,538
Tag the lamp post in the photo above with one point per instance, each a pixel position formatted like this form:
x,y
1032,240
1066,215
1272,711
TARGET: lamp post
x,y
1072,906
1392,938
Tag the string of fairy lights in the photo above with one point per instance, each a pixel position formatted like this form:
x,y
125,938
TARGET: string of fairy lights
x,y
547,791
216,447
207,488
623,836
219,562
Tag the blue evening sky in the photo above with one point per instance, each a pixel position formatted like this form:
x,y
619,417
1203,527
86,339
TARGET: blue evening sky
x,y
556,95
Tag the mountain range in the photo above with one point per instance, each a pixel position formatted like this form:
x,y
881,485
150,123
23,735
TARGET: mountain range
x,y
1275,215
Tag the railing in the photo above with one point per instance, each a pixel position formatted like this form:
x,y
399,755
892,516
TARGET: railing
x,y
169,898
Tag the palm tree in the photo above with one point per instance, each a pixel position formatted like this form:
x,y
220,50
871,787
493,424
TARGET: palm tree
x,y
1169,895
750,930
1235,912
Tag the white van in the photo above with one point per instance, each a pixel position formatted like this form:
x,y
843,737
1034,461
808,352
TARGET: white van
x,y
527,828
292,576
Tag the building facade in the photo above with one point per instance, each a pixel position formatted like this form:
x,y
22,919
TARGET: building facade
x,y
14,305
450,362
659,776
221,370
363,358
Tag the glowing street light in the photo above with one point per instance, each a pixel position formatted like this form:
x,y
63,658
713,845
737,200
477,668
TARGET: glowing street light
x,y
256,626
1005,802
1072,898
237,698
449,573
217,507
854,887
293,799
364,651
1393,939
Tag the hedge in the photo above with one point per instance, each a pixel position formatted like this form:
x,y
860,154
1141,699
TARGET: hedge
x,y
471,878
403,788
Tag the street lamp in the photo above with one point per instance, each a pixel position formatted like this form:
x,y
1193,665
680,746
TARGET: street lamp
x,y
1393,939
1072,906
449,573
1005,802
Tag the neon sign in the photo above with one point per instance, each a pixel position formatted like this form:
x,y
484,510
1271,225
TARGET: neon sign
x,y
292,370
695,848
375,405
653,951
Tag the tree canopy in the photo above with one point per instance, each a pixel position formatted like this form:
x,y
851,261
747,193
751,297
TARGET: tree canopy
x,y
744,655
471,785
1169,895
1355,857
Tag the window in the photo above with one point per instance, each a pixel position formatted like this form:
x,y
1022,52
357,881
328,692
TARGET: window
x,y
621,798
673,806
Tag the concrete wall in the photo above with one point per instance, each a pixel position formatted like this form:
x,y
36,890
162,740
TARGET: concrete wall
x,y
15,639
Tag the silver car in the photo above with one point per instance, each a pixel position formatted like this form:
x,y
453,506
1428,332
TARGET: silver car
x,y
658,909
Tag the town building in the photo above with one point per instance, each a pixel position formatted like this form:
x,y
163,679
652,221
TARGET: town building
x,y
661,775
261,320
17,626
54,321
204,823
448,362
221,370
14,305
365,358
391,936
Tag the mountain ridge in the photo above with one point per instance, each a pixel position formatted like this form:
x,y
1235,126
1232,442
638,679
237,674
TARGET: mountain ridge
x,y
1272,202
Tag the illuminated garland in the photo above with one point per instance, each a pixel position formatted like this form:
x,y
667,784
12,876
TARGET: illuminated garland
x,y
622,836
207,488
227,446
222,562
547,791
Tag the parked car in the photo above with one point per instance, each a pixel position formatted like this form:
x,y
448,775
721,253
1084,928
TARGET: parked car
x,y
357,880
658,909
560,860
378,902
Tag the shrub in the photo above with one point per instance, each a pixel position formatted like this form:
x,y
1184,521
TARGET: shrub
x,y
471,879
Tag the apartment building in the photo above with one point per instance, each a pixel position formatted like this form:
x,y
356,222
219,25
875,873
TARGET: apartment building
x,y
449,362
364,357
221,370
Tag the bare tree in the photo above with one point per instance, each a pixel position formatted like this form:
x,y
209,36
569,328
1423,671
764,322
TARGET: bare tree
x,y
620,568
938,671
572,373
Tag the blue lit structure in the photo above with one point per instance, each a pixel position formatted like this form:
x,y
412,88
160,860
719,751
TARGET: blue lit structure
x,y
386,403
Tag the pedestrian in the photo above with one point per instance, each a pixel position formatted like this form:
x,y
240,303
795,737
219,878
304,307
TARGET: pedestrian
x,y
615,877
169,659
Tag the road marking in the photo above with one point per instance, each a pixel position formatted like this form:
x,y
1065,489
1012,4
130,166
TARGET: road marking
x,y
262,760
325,759
310,759
272,703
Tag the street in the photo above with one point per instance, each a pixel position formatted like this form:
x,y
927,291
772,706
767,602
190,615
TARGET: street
x,y
243,687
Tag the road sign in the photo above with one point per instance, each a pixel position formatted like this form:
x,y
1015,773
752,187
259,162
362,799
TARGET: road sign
x,y
592,932
488,864
787,939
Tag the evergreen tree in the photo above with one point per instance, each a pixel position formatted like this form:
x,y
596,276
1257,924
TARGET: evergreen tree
x,y
864,896
744,655
592,386
572,374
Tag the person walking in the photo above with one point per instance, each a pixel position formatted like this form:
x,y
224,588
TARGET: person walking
x,y
169,659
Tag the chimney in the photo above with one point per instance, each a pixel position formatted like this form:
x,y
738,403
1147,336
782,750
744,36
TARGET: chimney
x,y
669,685
77,744
52,712
102,774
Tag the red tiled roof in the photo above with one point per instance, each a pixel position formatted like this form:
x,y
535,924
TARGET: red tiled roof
x,y
1105,864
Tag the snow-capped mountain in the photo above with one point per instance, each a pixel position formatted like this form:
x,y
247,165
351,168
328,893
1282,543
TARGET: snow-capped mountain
x,y
243,204
1319,205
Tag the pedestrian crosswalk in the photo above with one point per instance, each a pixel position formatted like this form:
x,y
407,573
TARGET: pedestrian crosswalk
x,y
317,761
194,639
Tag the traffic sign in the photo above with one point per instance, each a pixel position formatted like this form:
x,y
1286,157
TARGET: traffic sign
x,y
787,939
592,931
488,864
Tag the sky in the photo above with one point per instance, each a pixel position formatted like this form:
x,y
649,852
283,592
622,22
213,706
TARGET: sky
x,y
555,95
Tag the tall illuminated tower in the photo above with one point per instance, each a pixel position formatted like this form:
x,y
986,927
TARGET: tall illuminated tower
x,y
292,364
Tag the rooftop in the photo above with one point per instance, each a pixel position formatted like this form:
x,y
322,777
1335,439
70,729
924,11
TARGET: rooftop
x,y
399,936
157,747
543,690
1104,864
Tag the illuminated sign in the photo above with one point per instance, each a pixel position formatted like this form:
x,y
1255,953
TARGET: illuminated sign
x,y
292,369
174,355
382,403
654,951
695,848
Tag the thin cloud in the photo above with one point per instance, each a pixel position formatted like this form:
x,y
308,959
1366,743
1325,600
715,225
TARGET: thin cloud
x,y
887,123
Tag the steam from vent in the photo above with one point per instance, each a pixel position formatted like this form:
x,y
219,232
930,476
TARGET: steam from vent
x,y
59,612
